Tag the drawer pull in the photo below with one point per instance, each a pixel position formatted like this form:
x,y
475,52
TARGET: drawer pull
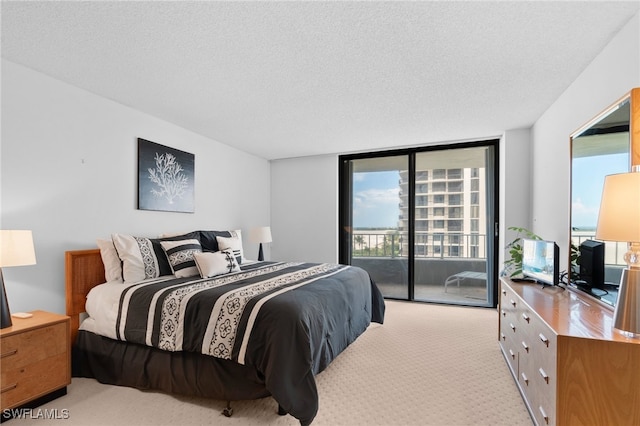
x,y
504,292
543,339
504,314
513,355
544,415
503,336
525,379
6,354
544,375
525,346
526,318
513,327
8,388
513,302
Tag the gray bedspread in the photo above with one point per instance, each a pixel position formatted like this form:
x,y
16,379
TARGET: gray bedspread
x,y
286,320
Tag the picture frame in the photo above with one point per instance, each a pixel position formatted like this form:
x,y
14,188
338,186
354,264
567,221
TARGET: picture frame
x,y
166,178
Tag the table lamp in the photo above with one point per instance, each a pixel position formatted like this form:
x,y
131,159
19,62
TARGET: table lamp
x,y
260,235
16,249
619,220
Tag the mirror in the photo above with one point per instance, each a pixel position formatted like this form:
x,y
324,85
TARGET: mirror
x,y
605,145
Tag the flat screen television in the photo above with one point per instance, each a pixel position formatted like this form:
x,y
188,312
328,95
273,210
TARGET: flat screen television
x,y
540,261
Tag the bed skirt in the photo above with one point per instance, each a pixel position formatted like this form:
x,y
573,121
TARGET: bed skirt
x,y
125,364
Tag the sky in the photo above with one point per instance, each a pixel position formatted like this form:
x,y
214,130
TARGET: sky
x,y
376,200
587,181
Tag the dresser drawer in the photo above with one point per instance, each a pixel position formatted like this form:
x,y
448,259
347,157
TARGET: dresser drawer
x,y
538,376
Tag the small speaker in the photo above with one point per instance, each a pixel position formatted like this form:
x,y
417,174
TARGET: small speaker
x,y
592,263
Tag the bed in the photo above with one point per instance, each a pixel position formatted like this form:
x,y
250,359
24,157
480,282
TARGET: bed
x,y
265,329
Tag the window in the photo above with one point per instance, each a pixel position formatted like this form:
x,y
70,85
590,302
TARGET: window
x,y
455,200
455,212
455,186
438,199
438,211
454,174
422,175
422,225
439,186
454,225
439,174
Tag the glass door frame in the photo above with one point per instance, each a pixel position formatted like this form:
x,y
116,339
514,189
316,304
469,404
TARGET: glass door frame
x,y
345,195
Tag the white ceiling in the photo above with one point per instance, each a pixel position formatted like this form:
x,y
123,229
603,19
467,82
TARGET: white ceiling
x,y
288,79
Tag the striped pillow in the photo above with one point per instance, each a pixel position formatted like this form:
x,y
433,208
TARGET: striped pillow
x,y
180,255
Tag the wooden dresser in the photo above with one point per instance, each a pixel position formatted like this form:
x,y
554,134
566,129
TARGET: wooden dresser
x,y
36,358
569,364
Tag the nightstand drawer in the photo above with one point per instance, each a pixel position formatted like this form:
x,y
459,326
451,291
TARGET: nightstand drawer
x,y
19,385
32,346
36,361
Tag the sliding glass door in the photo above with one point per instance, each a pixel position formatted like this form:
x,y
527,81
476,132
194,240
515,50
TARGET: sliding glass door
x,y
422,221
373,202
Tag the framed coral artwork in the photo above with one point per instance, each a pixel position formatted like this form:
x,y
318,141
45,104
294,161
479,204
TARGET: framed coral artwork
x,y
165,178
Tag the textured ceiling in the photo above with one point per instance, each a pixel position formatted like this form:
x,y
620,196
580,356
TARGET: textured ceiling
x,y
287,79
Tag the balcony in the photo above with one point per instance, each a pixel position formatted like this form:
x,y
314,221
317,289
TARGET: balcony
x,y
383,255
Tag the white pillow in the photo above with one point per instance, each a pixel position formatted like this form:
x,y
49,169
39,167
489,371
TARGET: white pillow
x,y
139,258
181,256
211,264
233,243
111,261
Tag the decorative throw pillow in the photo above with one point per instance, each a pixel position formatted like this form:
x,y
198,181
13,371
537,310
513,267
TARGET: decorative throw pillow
x,y
110,260
233,243
180,255
142,258
209,241
211,264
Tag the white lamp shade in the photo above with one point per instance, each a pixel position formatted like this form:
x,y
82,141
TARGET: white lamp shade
x,y
260,235
619,217
16,248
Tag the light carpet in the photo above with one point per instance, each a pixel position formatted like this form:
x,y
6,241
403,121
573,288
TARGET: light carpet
x,y
427,365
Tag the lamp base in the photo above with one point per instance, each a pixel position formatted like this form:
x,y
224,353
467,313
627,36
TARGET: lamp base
x,y
4,306
626,318
260,254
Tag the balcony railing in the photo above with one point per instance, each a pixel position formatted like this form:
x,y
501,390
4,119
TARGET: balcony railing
x,y
427,245
613,251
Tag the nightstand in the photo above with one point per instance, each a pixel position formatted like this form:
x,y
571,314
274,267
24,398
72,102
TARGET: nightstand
x,y
35,362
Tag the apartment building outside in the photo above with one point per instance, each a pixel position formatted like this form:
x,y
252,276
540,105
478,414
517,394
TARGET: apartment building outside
x,y
450,213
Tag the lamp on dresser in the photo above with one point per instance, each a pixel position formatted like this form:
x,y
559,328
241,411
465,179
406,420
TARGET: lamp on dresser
x,y
16,249
619,220
260,235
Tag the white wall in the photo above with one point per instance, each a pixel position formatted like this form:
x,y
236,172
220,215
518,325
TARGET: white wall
x,y
304,209
69,173
515,185
614,72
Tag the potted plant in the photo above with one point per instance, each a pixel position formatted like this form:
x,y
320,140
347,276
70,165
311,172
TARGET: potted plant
x,y
513,265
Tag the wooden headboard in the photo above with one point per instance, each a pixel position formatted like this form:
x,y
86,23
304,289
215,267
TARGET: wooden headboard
x,y
83,271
